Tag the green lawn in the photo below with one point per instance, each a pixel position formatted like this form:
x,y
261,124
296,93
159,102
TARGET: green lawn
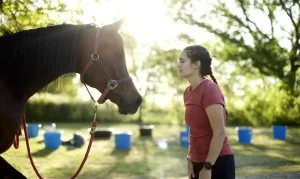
x,y
146,161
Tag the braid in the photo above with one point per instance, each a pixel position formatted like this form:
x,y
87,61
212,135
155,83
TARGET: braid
x,y
206,69
213,78
215,81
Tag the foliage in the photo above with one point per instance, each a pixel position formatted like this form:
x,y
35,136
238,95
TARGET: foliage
x,y
250,101
45,108
163,62
18,15
64,85
264,108
250,41
149,73
59,110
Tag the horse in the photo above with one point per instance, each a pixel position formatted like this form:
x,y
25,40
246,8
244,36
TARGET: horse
x,y
31,59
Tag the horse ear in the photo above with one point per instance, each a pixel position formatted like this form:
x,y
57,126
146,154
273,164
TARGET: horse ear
x,y
116,25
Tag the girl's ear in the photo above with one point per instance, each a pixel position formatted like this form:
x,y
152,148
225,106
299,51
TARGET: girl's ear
x,y
197,64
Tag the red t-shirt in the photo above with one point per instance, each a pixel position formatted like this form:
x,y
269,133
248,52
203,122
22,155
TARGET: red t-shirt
x,y
204,95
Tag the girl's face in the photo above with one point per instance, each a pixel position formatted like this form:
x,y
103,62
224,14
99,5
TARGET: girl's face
x,y
185,66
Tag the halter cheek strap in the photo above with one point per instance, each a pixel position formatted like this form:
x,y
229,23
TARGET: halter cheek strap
x,y
111,84
94,56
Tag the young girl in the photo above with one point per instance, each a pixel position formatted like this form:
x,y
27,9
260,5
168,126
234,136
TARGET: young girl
x,y
210,155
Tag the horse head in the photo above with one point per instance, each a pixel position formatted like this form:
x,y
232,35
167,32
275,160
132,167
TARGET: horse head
x,y
103,66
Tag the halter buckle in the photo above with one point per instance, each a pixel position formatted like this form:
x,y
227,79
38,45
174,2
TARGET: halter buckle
x,y
95,56
112,84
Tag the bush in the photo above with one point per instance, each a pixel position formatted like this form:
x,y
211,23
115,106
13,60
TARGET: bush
x,y
265,109
53,108
49,111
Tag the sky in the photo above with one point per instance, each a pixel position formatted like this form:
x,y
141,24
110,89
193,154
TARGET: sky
x,y
147,20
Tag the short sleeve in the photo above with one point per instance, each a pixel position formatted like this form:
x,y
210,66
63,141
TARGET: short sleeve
x,y
212,95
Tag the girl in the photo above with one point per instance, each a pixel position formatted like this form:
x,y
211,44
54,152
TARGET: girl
x,y
210,155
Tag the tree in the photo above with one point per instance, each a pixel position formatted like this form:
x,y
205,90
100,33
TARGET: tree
x,y
17,15
163,62
245,41
140,71
63,85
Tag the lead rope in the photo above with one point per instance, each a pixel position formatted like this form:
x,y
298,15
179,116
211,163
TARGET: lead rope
x,y
92,132
16,141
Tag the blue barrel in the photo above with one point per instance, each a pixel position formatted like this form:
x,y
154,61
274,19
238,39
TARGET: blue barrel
x,y
32,130
123,140
52,139
187,128
279,132
244,135
184,138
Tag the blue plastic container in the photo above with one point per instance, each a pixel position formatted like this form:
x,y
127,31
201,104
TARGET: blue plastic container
x,y
187,128
279,132
123,140
184,138
52,139
244,135
32,130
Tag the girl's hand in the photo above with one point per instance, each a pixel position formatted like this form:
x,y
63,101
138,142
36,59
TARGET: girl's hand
x,y
190,169
205,174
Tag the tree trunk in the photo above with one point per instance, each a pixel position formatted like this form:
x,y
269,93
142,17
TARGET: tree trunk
x,y
140,117
291,76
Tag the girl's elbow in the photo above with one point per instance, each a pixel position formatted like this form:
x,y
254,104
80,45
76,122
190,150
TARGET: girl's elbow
x,y
220,134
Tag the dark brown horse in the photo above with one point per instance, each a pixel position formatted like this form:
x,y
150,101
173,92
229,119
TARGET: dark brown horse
x,y
29,60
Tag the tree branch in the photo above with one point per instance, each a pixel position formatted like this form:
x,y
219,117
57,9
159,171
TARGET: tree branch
x,y
228,14
249,20
223,35
271,17
290,14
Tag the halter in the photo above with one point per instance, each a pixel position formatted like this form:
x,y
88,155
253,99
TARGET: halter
x,y
112,84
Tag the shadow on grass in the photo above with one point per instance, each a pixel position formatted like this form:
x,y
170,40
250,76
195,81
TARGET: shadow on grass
x,y
293,137
262,160
40,142
70,147
144,144
266,154
43,152
130,170
120,153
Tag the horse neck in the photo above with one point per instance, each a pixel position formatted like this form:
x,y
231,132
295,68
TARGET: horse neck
x,y
39,58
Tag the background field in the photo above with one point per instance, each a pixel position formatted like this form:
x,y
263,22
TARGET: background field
x,y
264,158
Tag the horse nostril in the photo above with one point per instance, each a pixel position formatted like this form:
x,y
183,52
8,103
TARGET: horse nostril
x,y
139,101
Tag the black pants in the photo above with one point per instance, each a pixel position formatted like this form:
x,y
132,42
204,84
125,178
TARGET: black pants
x,y
224,168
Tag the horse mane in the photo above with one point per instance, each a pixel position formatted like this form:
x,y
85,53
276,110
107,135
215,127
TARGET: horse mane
x,y
37,55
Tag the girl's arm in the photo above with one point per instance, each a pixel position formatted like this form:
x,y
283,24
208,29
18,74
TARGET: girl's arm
x,y
215,114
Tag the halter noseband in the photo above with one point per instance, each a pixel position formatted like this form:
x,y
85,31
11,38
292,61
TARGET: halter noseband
x,y
112,84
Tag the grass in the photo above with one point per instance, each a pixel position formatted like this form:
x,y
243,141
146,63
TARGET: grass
x,y
146,161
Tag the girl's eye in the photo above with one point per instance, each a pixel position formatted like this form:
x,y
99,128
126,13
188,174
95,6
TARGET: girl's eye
x,y
181,61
